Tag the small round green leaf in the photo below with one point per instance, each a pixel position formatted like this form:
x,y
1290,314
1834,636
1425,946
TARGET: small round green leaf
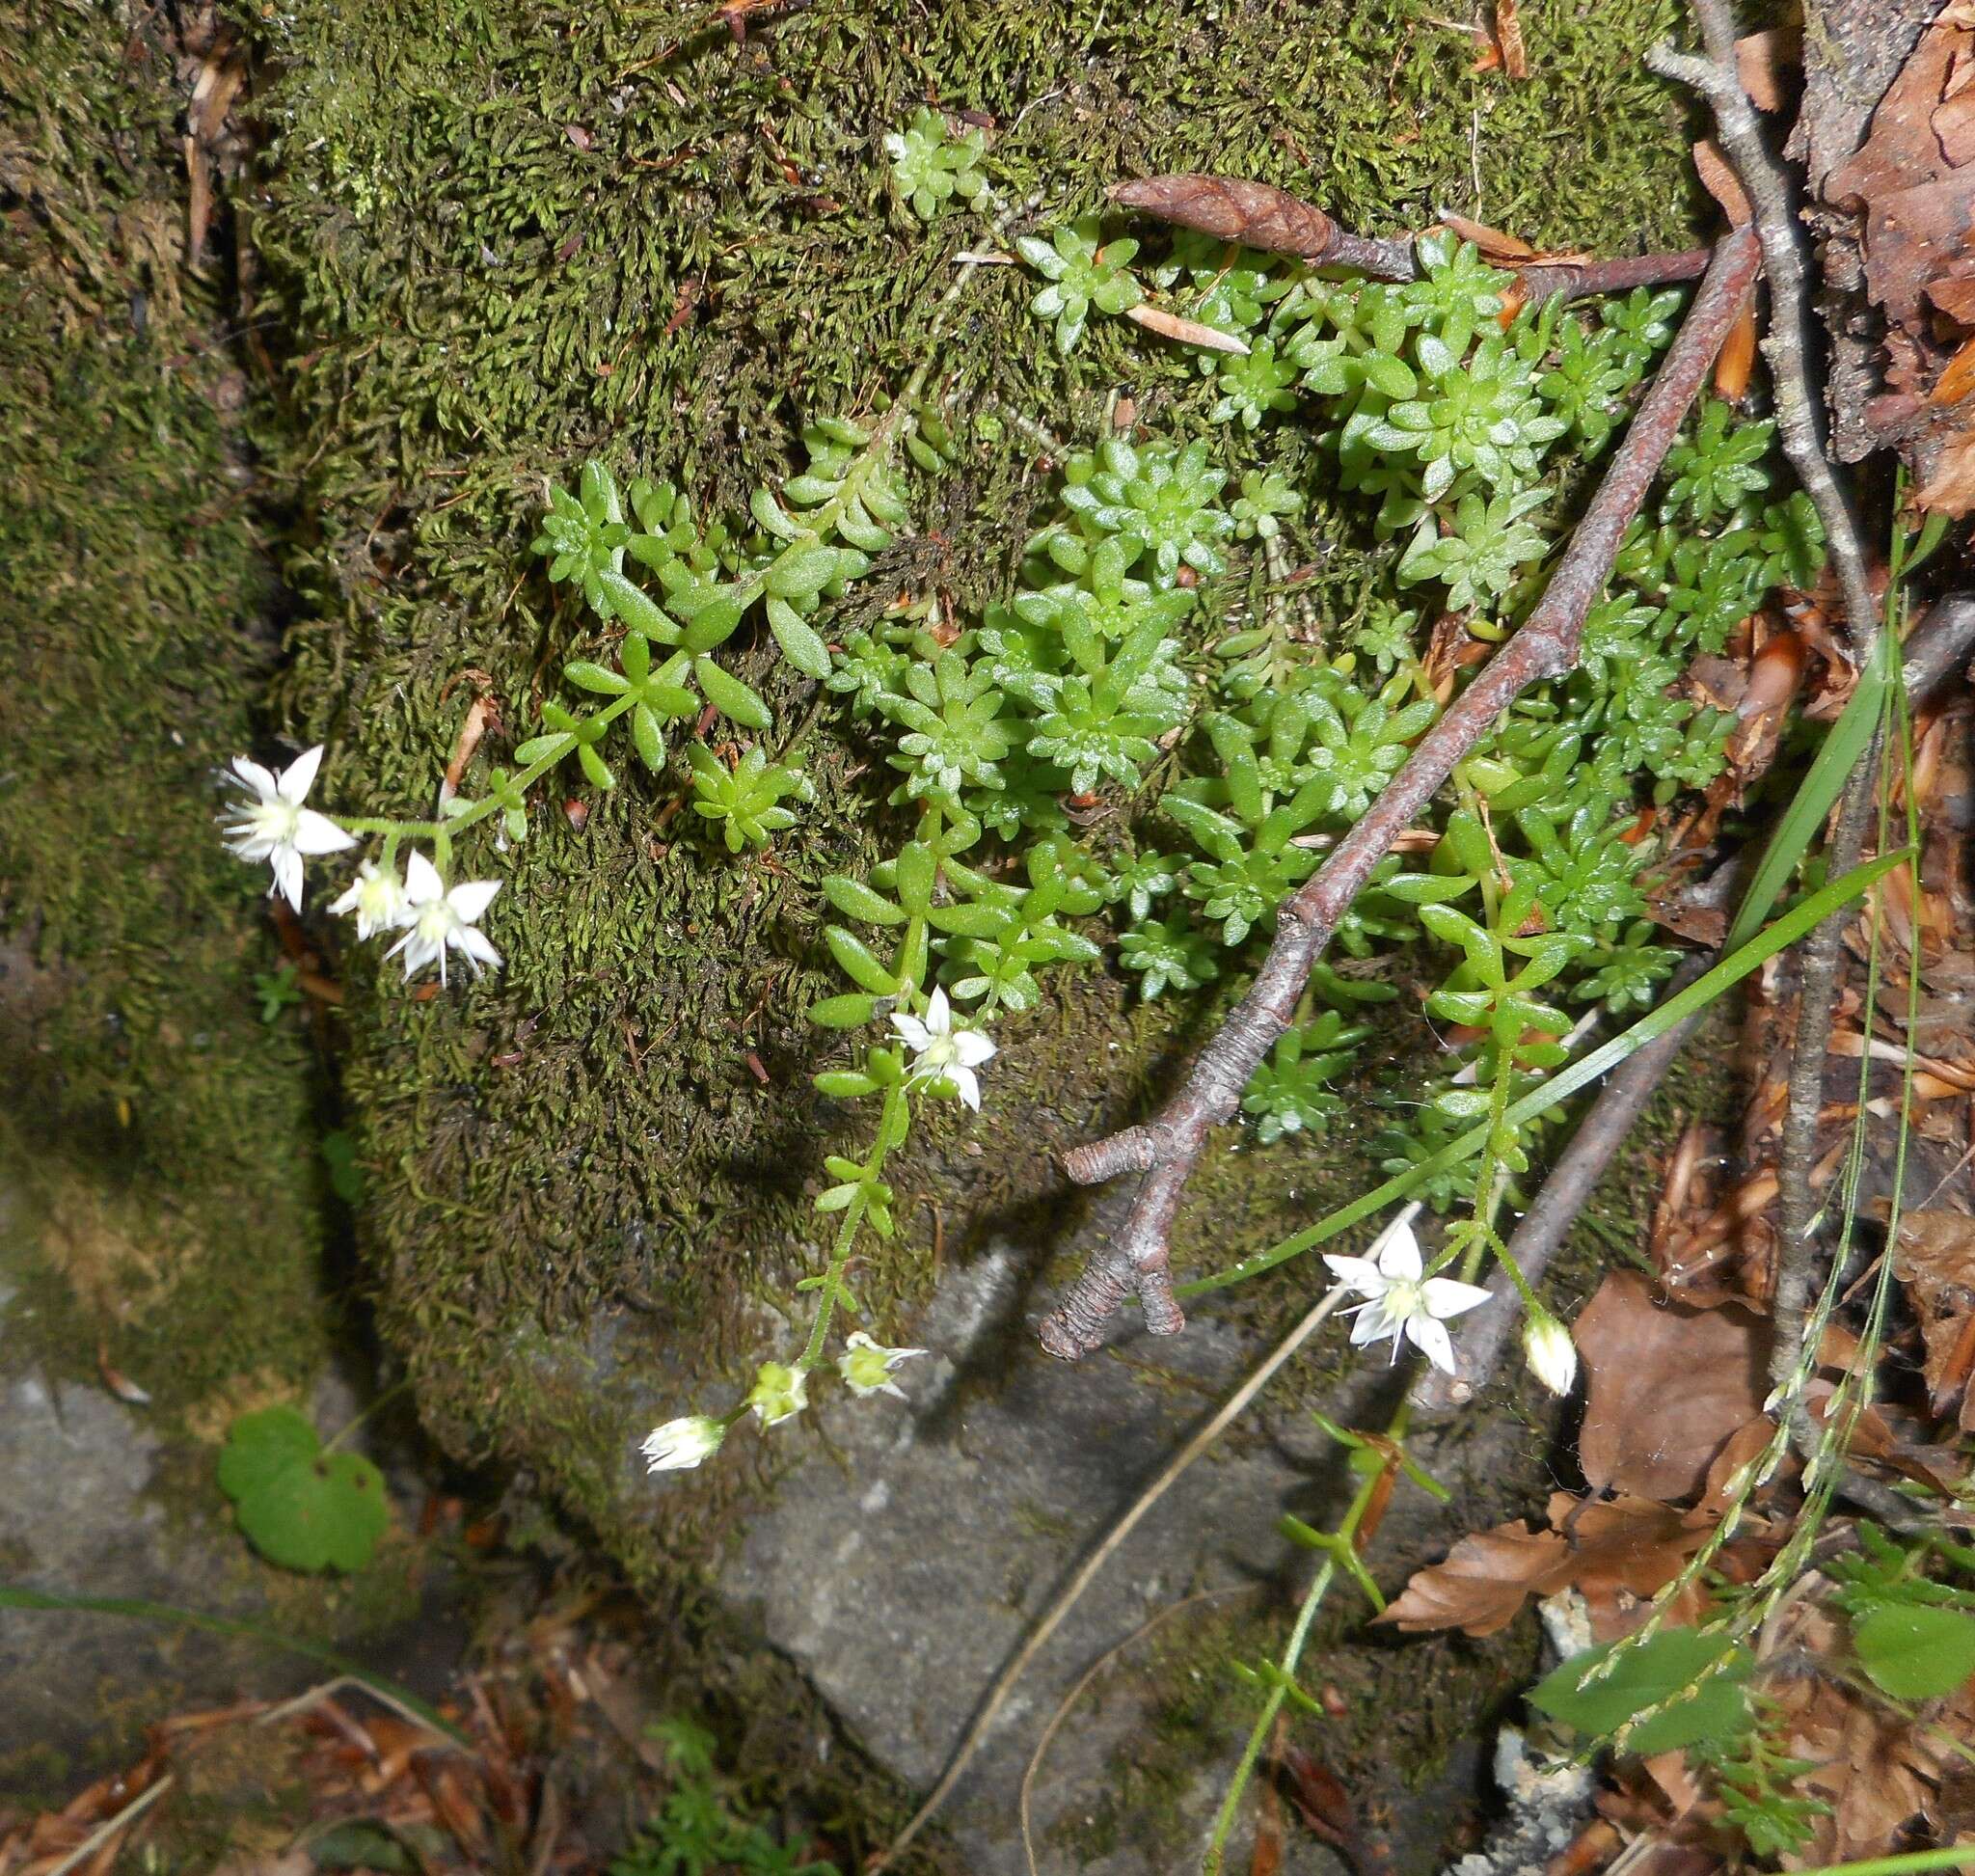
x,y
1916,1651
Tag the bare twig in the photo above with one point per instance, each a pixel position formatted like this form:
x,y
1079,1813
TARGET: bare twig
x,y
1165,1148
1787,349
100,1837
1051,1619
1272,221
1788,344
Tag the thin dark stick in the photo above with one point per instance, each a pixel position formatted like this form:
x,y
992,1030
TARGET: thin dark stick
x,y
1272,221
1787,349
1166,1147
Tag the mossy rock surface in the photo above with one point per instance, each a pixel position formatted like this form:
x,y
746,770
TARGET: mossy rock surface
x,y
500,239
164,1135
484,243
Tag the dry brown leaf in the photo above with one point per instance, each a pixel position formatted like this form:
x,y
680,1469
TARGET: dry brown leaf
x,y
1623,1551
1484,1583
1722,184
1508,35
1736,359
1254,214
1760,61
1491,243
1870,1765
1667,1387
1950,485
1959,379
1322,1800
1936,1260
1918,188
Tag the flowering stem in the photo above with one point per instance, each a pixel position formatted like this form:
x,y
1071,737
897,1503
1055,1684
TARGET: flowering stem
x,y
1345,1538
891,1125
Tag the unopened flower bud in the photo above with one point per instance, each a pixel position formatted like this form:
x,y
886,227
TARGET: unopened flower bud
x,y
681,1444
1551,1356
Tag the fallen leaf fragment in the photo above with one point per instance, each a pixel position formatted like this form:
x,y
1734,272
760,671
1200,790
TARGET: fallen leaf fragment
x,y
1761,60
1189,332
1668,1386
1508,35
1722,184
1484,1583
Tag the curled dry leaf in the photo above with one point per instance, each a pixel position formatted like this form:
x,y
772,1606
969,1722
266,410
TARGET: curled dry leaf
x,y
1253,214
1491,243
1935,1261
1722,184
1667,1387
1508,35
1271,220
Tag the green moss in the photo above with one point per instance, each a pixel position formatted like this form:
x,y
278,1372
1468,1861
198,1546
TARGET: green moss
x,y
162,1136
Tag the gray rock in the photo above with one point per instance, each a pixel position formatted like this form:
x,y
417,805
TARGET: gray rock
x,y
902,1571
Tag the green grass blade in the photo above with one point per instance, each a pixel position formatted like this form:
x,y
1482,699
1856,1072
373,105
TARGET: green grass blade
x,y
1837,757
11,1597
1698,996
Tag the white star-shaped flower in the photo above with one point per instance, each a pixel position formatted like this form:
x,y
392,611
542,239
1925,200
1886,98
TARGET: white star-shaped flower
x,y
377,898
867,1366
943,1052
1400,1303
273,825
681,1444
437,919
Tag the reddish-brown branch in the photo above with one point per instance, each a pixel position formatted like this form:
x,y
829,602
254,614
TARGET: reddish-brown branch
x,y
1165,1148
1273,221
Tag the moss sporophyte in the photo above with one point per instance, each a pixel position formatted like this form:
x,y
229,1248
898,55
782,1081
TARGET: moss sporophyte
x,y
1038,760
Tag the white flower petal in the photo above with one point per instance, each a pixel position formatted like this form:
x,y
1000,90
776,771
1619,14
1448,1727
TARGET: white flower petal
x,y
966,1084
938,1013
912,1030
1434,1342
421,880
1357,1273
260,780
287,876
299,776
478,946
472,897
1372,1325
317,833
1399,1260
1446,1297
971,1048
